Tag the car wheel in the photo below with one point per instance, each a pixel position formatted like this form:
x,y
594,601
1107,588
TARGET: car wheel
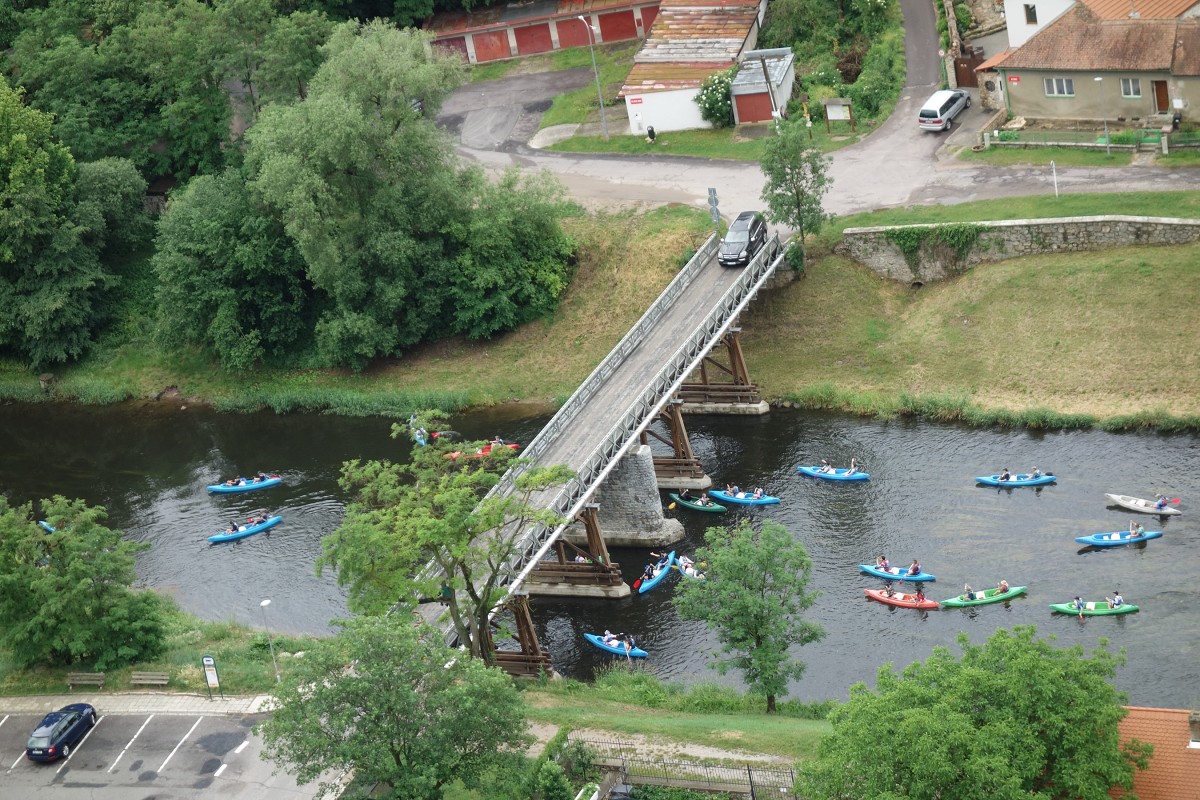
x,y
66,751
968,101
93,724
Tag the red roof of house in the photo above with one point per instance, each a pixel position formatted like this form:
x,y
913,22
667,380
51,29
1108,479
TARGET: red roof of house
x,y
1174,772
690,40
1143,9
662,77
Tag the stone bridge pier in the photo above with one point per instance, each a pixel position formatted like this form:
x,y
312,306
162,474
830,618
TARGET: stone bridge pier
x,y
631,509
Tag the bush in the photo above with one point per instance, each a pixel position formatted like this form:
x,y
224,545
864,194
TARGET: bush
x,y
963,16
715,98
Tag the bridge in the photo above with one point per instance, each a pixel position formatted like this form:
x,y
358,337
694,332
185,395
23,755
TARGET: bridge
x,y
610,412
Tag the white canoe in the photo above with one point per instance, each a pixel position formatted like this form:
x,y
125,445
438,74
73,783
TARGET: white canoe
x,y
1144,506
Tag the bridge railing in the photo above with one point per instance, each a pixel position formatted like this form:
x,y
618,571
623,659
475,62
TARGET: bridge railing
x,y
569,500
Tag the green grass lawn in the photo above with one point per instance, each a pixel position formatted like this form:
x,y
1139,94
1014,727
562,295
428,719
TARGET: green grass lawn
x,y
1180,158
613,62
743,144
1062,156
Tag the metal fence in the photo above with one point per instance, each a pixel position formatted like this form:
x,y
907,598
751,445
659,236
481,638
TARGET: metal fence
x,y
755,782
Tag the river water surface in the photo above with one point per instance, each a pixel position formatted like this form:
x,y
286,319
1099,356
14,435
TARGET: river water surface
x,y
150,467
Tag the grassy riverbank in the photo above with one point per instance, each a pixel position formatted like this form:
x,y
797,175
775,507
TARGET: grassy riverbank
x,y
1067,340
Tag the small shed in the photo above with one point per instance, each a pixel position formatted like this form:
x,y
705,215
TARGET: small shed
x,y
763,85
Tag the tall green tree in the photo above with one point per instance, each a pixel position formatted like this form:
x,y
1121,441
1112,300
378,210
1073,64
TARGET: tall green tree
x,y
797,180
389,701
753,596
1017,717
229,279
65,596
433,510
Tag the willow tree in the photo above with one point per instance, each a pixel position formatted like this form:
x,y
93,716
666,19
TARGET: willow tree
x,y
426,531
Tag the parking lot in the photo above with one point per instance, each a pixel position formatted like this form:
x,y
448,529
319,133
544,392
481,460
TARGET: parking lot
x,y
159,756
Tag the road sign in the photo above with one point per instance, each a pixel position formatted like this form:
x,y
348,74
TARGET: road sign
x,y
715,214
712,197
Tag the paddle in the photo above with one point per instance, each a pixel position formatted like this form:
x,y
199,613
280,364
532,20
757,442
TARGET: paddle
x,y
1175,500
671,507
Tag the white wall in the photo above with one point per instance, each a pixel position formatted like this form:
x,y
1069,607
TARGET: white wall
x,y
1019,31
674,110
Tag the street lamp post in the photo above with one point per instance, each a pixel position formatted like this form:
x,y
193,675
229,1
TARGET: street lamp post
x,y
596,71
270,642
1104,111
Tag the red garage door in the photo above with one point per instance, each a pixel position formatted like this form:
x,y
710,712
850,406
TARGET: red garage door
x,y
572,33
491,45
753,107
458,44
617,26
534,39
649,14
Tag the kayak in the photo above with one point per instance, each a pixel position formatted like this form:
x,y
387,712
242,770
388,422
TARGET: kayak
x,y
742,498
246,485
1143,506
634,652
1100,609
486,450
897,574
692,573
900,599
1016,480
661,570
711,508
989,596
46,526
245,530
1116,538
835,475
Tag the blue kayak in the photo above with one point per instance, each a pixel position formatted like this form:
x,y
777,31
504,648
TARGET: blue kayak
x,y
246,485
742,498
47,526
634,652
1016,480
835,475
246,530
1116,538
897,574
662,569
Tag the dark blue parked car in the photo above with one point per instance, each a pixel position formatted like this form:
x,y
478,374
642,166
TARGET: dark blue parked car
x,y
59,731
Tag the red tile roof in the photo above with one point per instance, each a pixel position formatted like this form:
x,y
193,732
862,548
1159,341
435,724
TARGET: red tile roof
x,y
1174,772
713,31
662,77
1144,9
1080,41
1187,48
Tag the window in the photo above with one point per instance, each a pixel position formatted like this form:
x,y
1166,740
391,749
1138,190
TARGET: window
x,y
1059,87
1194,722
1131,87
1030,14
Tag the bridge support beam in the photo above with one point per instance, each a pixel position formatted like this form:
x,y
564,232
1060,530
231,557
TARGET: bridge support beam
x,y
580,572
633,506
736,395
530,661
681,470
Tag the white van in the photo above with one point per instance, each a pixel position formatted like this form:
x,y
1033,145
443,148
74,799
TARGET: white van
x,y
941,109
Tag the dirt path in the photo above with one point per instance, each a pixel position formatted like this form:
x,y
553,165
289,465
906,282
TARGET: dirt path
x,y
657,747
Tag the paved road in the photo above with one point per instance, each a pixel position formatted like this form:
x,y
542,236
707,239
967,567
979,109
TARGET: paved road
x,y
166,747
897,165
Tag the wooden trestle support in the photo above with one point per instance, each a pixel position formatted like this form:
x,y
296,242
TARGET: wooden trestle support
x,y
683,464
530,661
740,391
590,567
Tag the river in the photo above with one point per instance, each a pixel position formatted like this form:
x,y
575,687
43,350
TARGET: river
x,y
149,467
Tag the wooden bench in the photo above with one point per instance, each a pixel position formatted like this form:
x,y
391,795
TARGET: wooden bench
x,y
80,678
150,679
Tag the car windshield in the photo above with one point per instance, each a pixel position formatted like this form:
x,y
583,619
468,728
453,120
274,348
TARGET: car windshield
x,y
38,741
737,236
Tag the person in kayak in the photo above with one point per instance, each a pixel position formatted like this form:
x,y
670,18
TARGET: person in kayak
x,y
914,568
1002,586
1160,502
1004,474
882,563
825,466
703,500
968,592
685,495
758,493
888,591
1078,605
733,489
919,595
853,468
1116,601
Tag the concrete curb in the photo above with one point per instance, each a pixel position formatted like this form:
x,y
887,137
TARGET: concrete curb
x,y
140,703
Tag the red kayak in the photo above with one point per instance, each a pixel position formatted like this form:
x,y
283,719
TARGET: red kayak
x,y
483,451
900,599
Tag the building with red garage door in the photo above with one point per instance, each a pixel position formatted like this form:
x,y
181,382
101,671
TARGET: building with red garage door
x,y
499,32
762,87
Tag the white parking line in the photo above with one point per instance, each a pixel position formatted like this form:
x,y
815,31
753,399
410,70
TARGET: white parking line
x,y
2,721
130,743
81,741
241,747
220,769
181,741
14,764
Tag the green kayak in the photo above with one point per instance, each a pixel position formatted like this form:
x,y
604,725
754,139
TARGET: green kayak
x,y
984,597
1100,609
710,506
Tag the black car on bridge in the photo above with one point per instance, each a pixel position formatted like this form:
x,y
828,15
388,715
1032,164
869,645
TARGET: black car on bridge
x,y
745,237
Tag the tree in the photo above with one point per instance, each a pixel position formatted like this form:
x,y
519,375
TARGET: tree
x,y
65,596
753,595
388,700
404,517
796,180
1016,717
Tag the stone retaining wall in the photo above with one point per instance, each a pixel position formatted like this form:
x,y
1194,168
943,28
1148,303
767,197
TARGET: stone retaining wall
x,y
975,243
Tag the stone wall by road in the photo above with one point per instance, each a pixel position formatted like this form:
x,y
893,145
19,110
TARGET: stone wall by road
x,y
975,243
